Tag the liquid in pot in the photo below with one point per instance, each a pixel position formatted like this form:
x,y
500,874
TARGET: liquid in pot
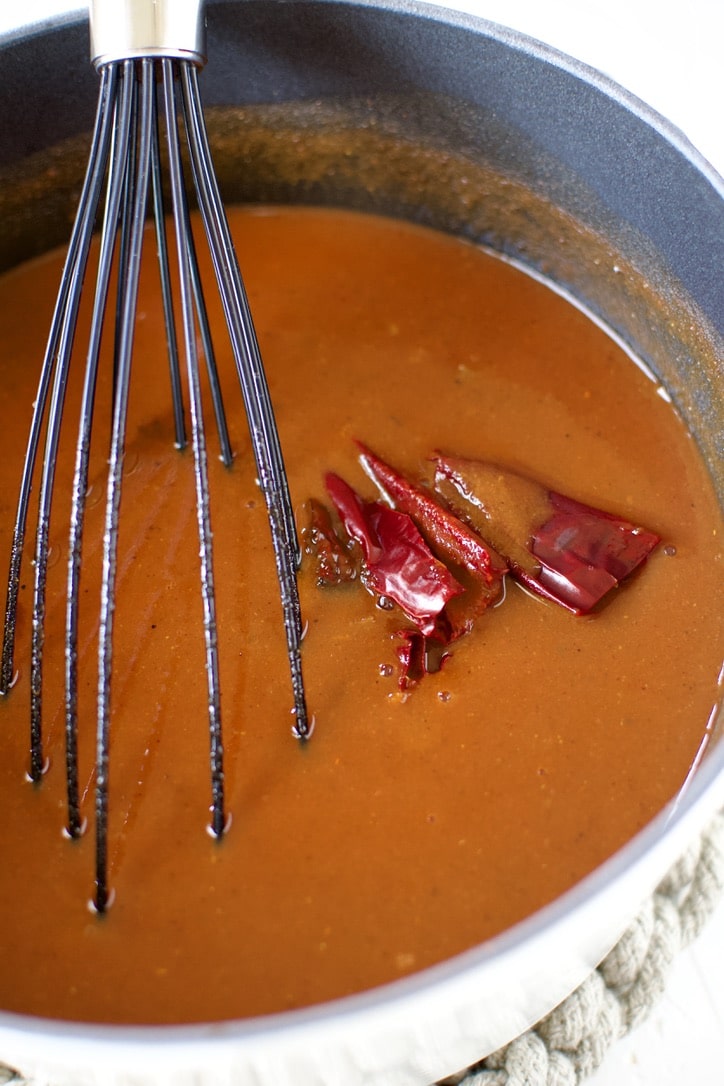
x,y
413,825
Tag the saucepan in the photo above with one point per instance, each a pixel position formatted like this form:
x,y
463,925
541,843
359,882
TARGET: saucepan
x,y
454,122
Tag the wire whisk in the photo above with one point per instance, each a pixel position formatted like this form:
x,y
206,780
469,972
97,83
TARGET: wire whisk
x,y
148,54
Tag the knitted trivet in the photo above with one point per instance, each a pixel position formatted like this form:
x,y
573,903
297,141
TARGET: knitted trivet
x,y
570,1043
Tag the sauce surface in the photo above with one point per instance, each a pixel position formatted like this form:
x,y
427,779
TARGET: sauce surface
x,y
410,827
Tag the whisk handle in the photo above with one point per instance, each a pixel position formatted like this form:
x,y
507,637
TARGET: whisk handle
x,y
126,29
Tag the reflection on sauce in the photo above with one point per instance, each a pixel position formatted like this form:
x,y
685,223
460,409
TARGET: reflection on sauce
x,y
409,828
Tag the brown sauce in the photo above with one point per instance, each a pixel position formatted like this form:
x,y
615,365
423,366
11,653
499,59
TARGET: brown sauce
x,y
408,828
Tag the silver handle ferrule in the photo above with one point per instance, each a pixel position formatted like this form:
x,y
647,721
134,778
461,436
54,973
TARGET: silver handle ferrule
x,y
126,29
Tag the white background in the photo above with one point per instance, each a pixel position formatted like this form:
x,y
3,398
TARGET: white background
x,y
671,55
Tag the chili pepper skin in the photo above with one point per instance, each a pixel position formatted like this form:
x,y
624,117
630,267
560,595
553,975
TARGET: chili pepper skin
x,y
559,548
411,654
420,655
456,543
333,562
451,536
567,552
399,564
584,552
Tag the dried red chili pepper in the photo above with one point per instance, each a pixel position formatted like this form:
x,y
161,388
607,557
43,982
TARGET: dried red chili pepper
x,y
561,549
333,562
399,564
584,552
448,533
480,566
412,656
419,655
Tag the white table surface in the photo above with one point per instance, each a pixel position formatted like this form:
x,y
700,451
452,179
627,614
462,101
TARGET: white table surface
x,y
672,57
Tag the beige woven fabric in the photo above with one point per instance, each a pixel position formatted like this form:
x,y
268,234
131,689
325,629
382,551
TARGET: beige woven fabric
x,y
570,1043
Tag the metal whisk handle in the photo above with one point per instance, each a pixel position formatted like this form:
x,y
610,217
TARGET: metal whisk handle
x,y
127,29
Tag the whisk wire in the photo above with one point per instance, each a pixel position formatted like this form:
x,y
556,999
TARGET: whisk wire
x,y
257,399
116,155
159,218
204,331
76,257
181,226
128,274
126,154
225,450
